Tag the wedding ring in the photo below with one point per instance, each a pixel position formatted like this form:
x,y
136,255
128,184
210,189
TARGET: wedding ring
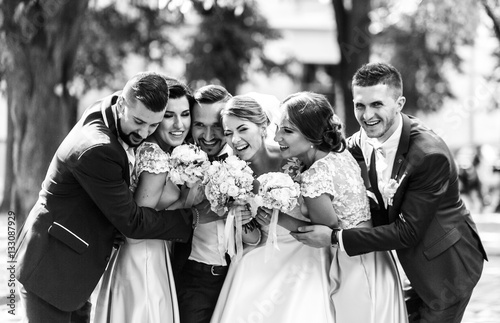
x,y
265,216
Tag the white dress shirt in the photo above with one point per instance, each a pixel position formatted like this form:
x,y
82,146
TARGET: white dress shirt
x,y
384,171
208,238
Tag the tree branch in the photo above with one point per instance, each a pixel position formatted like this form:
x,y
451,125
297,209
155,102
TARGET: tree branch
x,y
491,14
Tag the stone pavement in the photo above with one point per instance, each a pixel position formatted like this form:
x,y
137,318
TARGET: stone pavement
x,y
484,306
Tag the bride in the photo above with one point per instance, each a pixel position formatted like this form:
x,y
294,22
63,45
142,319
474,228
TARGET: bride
x,y
292,286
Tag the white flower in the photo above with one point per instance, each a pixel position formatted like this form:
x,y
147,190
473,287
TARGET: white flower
x,y
228,183
390,188
188,164
278,191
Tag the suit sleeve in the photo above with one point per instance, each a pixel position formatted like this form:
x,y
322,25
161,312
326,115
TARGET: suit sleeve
x,y
422,193
100,174
354,147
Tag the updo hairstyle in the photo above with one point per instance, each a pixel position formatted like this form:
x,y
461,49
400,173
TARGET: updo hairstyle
x,y
313,116
246,107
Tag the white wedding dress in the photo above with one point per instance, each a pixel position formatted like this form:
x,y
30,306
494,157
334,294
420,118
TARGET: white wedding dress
x,y
138,285
292,286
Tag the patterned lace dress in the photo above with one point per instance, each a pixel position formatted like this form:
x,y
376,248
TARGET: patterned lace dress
x,y
138,285
363,288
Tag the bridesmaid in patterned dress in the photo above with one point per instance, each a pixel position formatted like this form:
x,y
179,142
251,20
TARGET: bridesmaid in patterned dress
x,y
363,288
138,285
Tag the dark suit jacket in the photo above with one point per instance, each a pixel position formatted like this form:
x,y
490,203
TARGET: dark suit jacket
x,y
67,239
429,226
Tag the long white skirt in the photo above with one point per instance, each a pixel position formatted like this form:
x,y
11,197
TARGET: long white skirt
x,y
138,285
366,288
290,287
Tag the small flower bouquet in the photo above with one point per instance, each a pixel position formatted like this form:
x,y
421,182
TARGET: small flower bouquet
x,y
229,183
188,164
277,191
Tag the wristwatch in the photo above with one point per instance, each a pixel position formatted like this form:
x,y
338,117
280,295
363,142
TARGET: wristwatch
x,y
335,238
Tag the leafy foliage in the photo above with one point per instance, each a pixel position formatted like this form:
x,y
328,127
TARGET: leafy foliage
x,y
229,38
422,43
110,35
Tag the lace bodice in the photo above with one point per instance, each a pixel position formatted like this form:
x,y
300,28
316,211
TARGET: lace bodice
x,y
151,158
339,175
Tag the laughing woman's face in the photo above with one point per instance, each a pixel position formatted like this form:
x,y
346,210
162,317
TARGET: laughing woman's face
x,y
244,137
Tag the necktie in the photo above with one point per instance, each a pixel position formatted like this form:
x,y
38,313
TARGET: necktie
x,y
372,173
379,216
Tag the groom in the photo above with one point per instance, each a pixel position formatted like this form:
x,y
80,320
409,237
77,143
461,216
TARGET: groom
x,y
419,214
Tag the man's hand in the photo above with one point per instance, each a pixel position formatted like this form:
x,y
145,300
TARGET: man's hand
x,y
316,236
118,240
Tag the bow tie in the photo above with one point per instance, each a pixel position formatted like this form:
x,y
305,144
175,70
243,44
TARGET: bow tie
x,y
218,158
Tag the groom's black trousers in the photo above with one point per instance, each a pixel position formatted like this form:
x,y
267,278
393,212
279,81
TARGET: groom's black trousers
x,y
198,286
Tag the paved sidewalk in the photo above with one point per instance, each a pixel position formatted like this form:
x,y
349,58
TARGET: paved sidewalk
x,y
484,306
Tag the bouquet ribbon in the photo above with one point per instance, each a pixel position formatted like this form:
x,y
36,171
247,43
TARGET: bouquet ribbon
x,y
272,239
233,236
193,190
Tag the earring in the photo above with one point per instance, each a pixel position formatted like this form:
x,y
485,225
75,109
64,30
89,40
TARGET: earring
x,y
312,146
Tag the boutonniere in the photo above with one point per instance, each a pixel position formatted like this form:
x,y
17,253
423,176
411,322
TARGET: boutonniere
x,y
390,188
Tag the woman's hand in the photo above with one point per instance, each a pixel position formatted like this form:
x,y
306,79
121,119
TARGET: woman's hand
x,y
192,196
263,216
246,215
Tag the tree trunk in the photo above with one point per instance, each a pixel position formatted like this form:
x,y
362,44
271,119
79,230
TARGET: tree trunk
x,y
42,39
354,41
8,176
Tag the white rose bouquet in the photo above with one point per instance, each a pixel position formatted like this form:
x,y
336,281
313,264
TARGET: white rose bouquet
x,y
188,164
229,183
277,191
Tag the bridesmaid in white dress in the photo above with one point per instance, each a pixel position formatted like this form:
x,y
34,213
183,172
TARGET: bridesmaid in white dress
x,y
138,285
363,288
293,285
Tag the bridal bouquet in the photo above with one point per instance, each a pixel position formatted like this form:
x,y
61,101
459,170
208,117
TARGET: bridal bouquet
x,y
229,183
277,191
188,164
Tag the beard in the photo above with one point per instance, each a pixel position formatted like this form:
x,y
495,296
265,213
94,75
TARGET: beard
x,y
132,139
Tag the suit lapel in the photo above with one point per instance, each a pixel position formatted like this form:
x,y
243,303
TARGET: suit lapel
x,y
403,146
400,163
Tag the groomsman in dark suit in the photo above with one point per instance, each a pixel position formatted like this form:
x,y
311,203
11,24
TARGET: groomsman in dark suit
x,y
418,213
65,244
200,266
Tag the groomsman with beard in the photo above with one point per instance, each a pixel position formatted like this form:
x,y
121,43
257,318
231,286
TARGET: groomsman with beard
x,y
66,242
200,266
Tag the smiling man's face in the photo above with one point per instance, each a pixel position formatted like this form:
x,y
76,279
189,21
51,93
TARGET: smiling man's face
x,y
377,109
206,128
